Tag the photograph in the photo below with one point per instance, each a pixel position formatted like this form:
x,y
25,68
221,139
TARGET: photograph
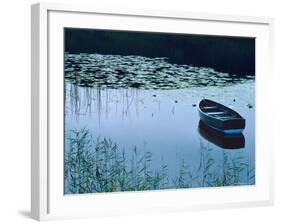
x,y
155,111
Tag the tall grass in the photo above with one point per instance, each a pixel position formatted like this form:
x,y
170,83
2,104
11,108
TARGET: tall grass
x,y
230,172
101,166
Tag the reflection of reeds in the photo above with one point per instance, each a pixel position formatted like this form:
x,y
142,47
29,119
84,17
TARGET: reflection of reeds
x,y
101,166
88,101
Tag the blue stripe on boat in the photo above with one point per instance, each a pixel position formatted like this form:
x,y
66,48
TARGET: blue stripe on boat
x,y
230,131
234,131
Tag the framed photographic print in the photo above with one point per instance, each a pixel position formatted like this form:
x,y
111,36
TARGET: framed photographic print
x,y
148,111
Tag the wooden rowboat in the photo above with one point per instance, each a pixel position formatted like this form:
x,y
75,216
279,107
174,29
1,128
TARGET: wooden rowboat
x,y
220,117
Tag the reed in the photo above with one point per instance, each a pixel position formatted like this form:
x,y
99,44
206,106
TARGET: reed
x,y
99,165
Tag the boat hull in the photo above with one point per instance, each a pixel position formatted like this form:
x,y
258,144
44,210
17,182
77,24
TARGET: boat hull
x,y
227,126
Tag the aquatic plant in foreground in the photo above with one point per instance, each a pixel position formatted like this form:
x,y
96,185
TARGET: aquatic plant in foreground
x,y
101,166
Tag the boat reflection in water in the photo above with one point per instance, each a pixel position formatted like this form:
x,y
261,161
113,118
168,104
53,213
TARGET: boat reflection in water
x,y
225,141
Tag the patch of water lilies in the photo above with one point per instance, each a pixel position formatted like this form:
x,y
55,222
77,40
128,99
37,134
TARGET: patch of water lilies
x,y
116,71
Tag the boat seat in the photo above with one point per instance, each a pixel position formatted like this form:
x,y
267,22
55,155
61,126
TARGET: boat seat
x,y
226,117
209,107
216,113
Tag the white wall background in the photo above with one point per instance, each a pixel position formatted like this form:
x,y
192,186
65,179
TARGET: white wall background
x,y
15,110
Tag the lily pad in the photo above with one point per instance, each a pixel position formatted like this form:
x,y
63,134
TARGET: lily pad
x,y
116,71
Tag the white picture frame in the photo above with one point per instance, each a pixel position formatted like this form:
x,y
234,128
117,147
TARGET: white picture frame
x,y
47,198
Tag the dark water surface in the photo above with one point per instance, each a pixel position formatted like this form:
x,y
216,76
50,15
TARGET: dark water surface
x,y
149,105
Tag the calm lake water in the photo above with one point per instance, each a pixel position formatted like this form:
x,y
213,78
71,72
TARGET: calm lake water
x,y
155,110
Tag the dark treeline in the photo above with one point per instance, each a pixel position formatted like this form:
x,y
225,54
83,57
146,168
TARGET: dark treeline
x,y
234,55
